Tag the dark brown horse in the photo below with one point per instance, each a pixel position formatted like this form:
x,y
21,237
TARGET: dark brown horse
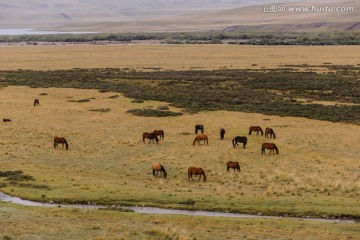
x,y
6,120
159,133
233,165
157,167
61,140
196,171
271,147
36,102
150,136
256,129
199,127
200,137
240,139
222,133
269,132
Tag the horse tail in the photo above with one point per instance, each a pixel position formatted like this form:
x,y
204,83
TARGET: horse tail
x,y
207,140
262,149
262,133
238,167
250,131
274,134
67,145
55,143
153,172
189,173
233,142
162,134
144,137
277,150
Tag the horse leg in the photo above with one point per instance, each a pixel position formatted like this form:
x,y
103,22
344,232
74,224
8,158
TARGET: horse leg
x,y
227,168
270,151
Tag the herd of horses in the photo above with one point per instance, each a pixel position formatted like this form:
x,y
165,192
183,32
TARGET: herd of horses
x,y
157,135
197,171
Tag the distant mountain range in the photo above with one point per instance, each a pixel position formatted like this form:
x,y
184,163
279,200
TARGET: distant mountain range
x,y
176,15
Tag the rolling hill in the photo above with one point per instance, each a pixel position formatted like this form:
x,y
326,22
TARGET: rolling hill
x,y
162,16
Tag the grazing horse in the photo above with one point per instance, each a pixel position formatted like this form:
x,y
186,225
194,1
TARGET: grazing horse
x,y
222,133
61,140
199,127
157,167
159,133
196,171
6,120
240,139
256,129
200,137
150,136
270,146
233,165
36,102
269,132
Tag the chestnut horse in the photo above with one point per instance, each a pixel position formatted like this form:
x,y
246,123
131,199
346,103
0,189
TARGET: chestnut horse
x,y
157,167
196,171
256,129
199,127
233,165
36,102
270,146
6,120
61,140
222,133
240,139
201,137
269,132
159,133
150,136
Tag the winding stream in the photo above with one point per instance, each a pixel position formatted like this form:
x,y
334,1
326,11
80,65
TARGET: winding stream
x,y
154,210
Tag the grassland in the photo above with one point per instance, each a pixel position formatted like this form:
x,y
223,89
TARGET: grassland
x,y
172,57
316,174
19,222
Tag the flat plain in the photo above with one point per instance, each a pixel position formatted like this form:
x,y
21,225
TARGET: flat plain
x,y
316,173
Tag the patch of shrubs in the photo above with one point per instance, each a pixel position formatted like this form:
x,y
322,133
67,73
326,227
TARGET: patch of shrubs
x,y
103,110
16,176
153,113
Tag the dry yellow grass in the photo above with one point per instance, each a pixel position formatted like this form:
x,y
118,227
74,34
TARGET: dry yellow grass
x,y
174,57
317,169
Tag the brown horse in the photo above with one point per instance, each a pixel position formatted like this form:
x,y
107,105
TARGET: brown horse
x,y
157,167
159,133
199,127
6,120
36,102
150,136
222,133
61,140
200,137
256,129
270,146
196,171
233,165
269,132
